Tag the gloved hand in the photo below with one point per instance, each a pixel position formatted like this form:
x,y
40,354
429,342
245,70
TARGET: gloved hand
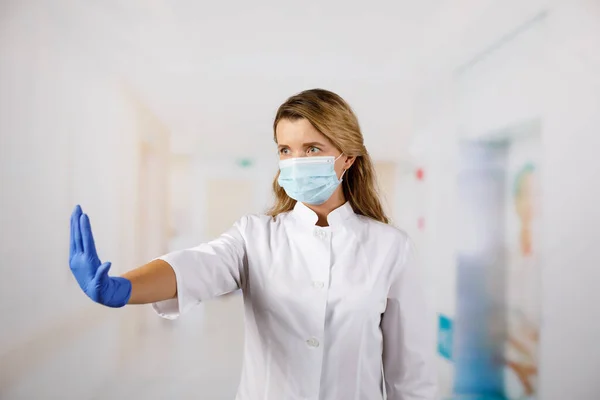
x,y
89,271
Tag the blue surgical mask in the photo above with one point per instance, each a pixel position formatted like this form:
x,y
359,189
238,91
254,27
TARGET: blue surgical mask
x,y
310,180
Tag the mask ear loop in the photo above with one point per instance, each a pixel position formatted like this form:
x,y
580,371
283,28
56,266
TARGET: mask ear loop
x,y
344,171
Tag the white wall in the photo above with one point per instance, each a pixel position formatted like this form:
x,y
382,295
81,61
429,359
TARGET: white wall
x,y
68,135
550,71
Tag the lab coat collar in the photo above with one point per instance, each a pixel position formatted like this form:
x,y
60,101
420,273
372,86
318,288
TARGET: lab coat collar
x,y
337,218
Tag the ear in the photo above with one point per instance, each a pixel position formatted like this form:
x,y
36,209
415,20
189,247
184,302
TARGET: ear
x,y
349,161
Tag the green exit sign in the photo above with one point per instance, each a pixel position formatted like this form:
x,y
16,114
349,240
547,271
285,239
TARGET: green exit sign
x,y
245,162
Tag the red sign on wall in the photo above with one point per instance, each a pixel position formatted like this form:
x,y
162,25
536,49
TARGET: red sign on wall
x,y
420,174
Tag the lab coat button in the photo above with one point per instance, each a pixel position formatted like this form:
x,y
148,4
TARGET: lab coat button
x,y
320,233
318,285
312,342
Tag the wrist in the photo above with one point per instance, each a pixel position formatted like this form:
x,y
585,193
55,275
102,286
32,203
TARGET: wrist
x,y
121,292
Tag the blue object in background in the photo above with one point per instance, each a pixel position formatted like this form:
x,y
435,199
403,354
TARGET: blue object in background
x,y
476,397
445,337
479,322
478,332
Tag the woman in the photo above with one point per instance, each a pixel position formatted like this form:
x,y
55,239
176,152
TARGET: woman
x,y
331,291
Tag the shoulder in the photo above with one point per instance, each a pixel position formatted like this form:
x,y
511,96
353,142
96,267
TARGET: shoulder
x,y
251,223
386,233
395,244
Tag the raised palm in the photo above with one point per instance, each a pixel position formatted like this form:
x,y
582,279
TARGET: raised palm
x,y
91,274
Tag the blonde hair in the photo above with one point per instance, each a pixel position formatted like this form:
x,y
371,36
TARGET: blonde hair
x,y
333,118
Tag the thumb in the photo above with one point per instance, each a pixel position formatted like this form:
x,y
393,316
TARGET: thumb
x,y
102,271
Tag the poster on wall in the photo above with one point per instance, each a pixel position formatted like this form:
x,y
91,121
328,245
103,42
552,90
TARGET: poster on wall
x,y
523,288
497,322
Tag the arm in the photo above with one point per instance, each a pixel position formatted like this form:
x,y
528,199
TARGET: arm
x,y
151,283
206,271
408,346
171,283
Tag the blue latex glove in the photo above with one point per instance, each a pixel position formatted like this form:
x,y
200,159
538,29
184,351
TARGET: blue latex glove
x,y
90,272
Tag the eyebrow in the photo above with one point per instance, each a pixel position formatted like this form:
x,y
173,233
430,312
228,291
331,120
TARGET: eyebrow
x,y
305,144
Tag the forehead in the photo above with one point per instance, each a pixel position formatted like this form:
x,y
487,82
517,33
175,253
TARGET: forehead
x,y
292,132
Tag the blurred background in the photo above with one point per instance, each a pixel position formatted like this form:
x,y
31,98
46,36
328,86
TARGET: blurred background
x,y
483,117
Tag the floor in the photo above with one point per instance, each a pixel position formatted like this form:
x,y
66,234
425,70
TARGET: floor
x,y
196,357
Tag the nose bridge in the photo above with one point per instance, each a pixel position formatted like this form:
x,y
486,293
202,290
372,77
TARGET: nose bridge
x,y
299,153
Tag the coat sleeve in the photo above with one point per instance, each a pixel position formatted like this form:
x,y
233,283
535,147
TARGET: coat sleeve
x,y
206,271
408,340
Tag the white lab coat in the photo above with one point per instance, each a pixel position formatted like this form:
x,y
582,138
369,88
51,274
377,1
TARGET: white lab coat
x,y
326,308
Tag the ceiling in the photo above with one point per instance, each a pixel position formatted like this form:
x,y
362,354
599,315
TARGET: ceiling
x,y
215,72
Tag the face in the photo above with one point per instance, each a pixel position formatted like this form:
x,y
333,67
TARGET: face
x,y
300,139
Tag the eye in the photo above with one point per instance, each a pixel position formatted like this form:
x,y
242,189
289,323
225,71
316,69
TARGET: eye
x,y
313,149
284,151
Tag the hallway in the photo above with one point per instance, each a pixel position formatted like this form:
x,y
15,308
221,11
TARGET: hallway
x,y
197,357
480,118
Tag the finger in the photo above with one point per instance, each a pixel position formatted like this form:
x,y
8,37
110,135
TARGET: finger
x,y
72,247
102,271
87,238
76,245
